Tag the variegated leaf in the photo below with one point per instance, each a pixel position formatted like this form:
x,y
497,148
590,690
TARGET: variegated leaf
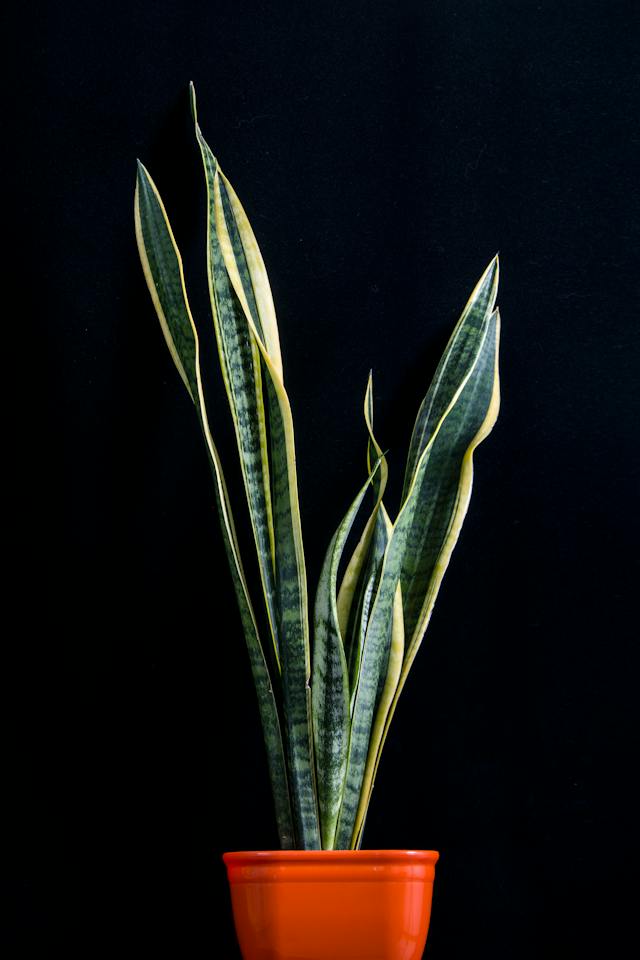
x,y
453,365
330,684
364,597
431,512
391,679
162,266
242,374
357,586
237,276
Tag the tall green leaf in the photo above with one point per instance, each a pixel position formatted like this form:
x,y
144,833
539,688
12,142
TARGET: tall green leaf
x,y
454,363
444,551
242,374
453,367
162,266
433,510
391,678
330,684
364,597
239,288
356,583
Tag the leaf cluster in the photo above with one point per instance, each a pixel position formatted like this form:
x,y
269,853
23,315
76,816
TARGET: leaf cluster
x,y
324,717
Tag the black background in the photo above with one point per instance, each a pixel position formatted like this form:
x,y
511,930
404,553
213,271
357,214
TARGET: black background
x,y
384,152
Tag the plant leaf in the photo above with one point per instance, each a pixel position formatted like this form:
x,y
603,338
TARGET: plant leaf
x,y
330,684
394,669
453,367
242,374
365,595
461,506
374,450
455,361
162,266
231,261
448,470
432,512
354,582
250,278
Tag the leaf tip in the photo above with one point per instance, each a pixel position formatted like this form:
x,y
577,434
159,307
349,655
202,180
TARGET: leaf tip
x,y
141,170
192,102
492,275
140,173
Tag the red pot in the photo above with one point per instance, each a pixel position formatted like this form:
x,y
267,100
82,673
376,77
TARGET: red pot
x,y
331,904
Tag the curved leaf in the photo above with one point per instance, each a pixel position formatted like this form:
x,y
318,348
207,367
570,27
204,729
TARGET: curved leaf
x,y
458,355
242,374
431,513
364,597
392,677
354,583
330,684
162,266
231,263
457,518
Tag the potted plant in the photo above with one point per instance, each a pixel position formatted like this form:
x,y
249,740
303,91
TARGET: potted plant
x,y
327,690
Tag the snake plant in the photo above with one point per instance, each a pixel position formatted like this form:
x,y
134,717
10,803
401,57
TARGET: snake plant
x,y
325,701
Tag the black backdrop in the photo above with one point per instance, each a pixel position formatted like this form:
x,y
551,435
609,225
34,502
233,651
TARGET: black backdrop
x,y
384,153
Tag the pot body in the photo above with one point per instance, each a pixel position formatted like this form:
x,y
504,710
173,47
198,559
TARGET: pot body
x,y
331,904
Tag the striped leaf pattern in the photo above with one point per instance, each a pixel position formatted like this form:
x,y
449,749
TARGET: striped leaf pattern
x,y
357,583
431,513
242,373
330,684
386,699
364,596
444,551
324,732
454,366
243,314
455,361
162,266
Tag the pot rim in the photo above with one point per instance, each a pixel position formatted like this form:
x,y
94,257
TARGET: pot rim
x,y
314,856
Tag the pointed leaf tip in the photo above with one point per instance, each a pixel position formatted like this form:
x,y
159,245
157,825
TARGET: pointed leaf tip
x,y
143,173
192,102
495,264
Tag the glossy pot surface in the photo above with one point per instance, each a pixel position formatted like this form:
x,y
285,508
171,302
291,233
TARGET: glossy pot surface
x,y
331,904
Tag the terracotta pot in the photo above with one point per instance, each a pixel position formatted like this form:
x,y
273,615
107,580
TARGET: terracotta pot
x,y
331,904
